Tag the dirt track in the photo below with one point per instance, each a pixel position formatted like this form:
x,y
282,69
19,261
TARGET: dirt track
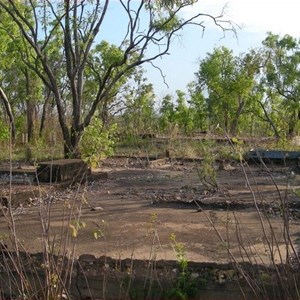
x,y
135,210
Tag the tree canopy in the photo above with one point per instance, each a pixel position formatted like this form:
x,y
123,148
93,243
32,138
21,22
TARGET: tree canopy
x,y
82,72
57,64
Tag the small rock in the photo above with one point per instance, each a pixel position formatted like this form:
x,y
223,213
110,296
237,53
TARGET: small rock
x,y
229,167
97,208
177,197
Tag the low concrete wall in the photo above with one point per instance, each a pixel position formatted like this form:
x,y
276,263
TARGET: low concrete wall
x,y
107,278
63,170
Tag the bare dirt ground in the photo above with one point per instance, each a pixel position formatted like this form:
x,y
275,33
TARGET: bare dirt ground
x,y
134,207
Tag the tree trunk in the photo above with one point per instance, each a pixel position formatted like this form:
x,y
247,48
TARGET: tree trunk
x,y
71,146
235,121
30,120
9,113
104,113
292,124
44,113
31,88
269,120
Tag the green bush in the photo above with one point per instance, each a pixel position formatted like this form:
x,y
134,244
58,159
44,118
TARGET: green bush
x,y
4,131
97,142
185,286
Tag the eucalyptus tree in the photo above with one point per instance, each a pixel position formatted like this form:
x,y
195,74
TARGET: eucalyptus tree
x,y
175,112
20,87
228,82
187,112
149,29
6,63
167,113
198,107
183,114
282,82
139,112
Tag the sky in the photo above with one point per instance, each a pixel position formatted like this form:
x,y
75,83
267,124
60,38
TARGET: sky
x,y
254,17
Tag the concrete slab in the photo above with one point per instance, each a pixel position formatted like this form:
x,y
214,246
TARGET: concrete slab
x,y
63,170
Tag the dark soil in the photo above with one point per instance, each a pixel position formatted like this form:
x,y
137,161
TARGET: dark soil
x,y
130,207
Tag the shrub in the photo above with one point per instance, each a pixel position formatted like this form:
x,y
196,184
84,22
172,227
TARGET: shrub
x,y
97,142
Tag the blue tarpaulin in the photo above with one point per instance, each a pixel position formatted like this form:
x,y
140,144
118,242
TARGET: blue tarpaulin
x,y
273,154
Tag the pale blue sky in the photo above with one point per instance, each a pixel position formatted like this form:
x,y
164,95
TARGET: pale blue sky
x,y
256,18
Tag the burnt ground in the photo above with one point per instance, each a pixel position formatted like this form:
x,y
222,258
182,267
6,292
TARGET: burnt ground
x,y
129,208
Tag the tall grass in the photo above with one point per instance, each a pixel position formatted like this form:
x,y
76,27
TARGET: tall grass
x,y
275,273
47,275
